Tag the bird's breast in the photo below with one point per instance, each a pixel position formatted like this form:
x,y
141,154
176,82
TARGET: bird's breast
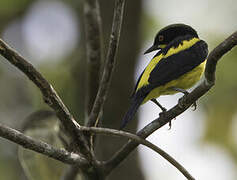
x,y
185,81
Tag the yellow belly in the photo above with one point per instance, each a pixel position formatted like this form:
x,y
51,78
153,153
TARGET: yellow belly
x,y
186,81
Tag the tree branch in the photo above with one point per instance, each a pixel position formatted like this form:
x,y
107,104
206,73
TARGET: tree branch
x,y
187,101
109,64
93,30
42,147
49,95
139,140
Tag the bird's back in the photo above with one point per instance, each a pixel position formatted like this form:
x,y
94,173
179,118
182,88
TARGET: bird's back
x,y
181,66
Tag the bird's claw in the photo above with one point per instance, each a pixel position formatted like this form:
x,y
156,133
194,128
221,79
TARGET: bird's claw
x,y
182,103
162,114
170,125
194,105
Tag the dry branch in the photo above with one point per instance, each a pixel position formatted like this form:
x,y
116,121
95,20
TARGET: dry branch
x,y
93,31
49,94
42,147
109,64
139,140
187,101
73,128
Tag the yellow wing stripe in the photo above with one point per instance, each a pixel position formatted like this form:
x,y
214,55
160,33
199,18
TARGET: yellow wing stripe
x,y
182,46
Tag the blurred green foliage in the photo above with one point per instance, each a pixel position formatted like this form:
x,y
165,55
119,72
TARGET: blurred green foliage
x,y
37,166
58,74
10,7
149,26
219,104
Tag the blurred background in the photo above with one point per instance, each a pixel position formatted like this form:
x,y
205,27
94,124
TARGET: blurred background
x,y
50,34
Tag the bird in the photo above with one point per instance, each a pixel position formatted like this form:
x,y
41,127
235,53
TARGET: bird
x,y
177,66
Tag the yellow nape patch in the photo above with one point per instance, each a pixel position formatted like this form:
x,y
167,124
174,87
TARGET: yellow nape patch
x,y
185,45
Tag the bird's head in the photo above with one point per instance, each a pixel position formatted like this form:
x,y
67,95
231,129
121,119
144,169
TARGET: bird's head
x,y
169,33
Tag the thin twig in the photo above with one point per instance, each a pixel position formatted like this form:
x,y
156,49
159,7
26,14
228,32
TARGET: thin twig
x,y
42,147
139,140
187,101
93,31
109,64
49,95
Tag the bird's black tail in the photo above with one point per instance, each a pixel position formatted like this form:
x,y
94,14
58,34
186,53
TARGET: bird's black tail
x,y
136,102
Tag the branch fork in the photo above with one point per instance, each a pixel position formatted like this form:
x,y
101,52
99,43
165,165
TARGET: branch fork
x,y
87,162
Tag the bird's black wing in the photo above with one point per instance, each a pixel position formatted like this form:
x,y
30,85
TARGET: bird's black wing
x,y
174,66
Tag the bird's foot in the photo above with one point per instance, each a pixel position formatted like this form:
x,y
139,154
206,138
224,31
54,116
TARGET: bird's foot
x,y
159,105
162,115
170,124
181,102
194,105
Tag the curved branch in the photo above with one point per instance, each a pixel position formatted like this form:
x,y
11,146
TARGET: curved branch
x,y
139,140
42,147
109,64
49,94
187,101
93,31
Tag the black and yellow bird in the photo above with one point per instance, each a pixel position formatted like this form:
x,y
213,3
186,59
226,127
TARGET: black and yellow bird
x,y
177,66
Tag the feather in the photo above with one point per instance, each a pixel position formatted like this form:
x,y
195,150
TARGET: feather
x,y
136,102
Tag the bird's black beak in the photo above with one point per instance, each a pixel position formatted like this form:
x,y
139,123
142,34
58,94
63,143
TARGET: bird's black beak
x,y
152,48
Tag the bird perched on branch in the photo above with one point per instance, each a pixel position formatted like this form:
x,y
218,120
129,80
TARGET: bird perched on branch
x,y
177,66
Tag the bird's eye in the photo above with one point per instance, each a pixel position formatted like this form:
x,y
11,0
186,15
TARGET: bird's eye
x,y
161,37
